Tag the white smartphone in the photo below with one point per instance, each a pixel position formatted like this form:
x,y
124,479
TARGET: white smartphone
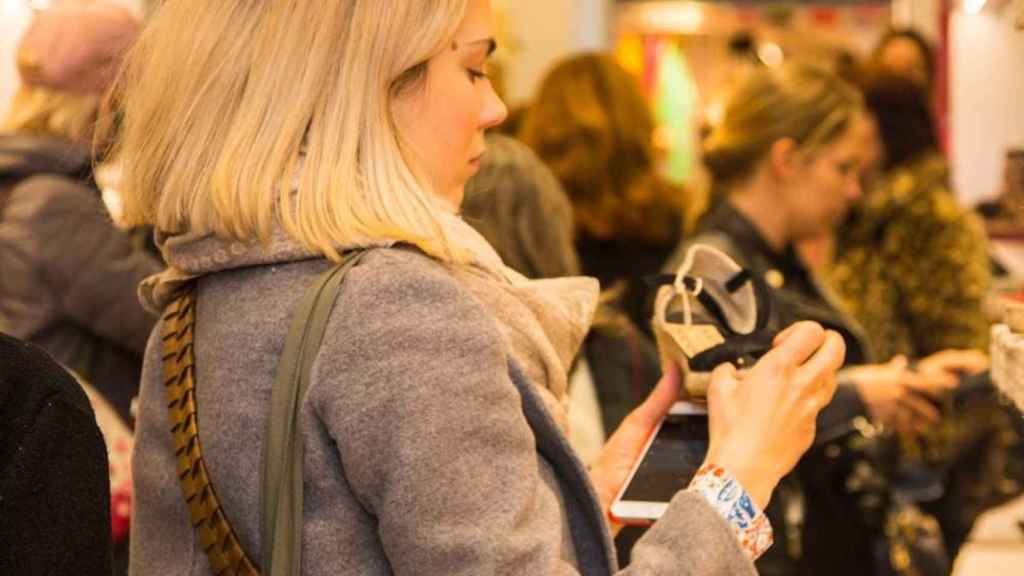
x,y
670,460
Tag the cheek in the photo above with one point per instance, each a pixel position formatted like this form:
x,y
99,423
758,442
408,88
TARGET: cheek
x,y
813,200
453,124
440,125
827,186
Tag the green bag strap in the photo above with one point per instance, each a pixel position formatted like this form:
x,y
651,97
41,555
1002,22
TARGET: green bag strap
x,y
283,451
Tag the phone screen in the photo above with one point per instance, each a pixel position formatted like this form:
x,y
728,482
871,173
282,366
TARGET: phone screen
x,y
672,460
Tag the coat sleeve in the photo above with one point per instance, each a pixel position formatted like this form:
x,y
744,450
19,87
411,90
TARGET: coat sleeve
x,y
92,267
416,394
54,485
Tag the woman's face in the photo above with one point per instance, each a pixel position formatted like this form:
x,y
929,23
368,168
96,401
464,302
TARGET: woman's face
x,y
443,119
903,57
822,186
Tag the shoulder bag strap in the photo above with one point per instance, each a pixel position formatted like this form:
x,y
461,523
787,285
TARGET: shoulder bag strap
x,y
281,490
282,459
216,536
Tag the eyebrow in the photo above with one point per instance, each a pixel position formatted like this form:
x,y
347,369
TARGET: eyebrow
x,y
491,43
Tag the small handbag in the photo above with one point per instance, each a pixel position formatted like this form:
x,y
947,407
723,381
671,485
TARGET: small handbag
x,y
281,491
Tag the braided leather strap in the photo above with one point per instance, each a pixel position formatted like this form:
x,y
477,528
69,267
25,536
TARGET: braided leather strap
x,y
216,536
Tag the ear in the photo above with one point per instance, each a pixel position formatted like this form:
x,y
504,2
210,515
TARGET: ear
x,y
783,158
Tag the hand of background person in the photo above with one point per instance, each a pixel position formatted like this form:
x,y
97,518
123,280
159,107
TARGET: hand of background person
x,y
896,396
955,363
763,420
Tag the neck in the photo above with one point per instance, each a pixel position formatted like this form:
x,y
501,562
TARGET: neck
x,y
757,201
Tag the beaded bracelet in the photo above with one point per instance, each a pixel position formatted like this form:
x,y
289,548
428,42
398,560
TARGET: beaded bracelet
x,y
729,499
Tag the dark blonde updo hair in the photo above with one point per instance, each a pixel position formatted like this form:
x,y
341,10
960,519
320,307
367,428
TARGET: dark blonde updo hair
x,y
805,103
591,125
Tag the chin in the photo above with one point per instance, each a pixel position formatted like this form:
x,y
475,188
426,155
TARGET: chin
x,y
449,200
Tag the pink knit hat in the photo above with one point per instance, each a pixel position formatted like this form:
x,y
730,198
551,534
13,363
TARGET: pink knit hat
x,y
76,47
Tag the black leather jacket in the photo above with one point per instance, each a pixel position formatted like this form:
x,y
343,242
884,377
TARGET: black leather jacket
x,y
827,532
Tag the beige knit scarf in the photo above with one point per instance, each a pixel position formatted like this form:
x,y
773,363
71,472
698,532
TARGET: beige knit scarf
x,y
542,322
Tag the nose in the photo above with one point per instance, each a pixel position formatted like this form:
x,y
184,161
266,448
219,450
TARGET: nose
x,y
494,111
854,188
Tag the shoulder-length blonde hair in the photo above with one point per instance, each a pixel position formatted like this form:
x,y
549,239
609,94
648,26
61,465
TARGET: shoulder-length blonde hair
x,y
591,125
805,103
237,116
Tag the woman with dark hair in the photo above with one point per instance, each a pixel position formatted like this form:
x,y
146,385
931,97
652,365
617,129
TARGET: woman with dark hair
x,y
911,263
912,267
907,53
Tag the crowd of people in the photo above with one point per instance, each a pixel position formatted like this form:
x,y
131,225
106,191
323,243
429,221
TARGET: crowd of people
x,y
325,251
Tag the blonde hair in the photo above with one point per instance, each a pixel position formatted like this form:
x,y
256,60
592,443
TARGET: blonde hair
x,y
805,103
43,112
238,116
591,125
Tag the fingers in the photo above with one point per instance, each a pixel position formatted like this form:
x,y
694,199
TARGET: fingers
x,y
785,334
920,409
660,400
723,378
932,384
723,383
972,361
796,344
827,359
897,363
957,361
782,336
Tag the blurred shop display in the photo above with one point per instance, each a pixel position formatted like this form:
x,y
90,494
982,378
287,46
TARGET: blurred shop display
x,y
1005,212
1008,352
688,54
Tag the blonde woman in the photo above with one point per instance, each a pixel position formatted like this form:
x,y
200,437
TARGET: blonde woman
x,y
263,140
786,164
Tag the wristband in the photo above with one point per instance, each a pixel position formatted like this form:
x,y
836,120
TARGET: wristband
x,y
731,501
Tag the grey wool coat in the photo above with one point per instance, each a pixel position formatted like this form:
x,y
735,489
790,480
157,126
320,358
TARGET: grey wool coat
x,y
427,450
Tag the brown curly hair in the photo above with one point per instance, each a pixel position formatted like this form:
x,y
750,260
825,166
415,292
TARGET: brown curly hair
x,y
591,125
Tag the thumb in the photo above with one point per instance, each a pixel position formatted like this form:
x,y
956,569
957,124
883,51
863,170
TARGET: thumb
x,y
968,361
661,399
724,379
898,363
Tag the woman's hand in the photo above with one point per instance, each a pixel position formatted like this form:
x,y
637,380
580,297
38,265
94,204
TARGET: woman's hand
x,y
899,397
955,363
624,447
895,396
759,430
763,420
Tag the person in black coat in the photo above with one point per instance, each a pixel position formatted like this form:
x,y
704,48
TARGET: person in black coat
x,y
54,486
